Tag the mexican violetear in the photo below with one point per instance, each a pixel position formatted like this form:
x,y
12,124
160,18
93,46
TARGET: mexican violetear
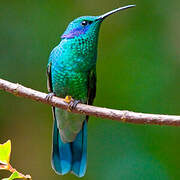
x,y
71,72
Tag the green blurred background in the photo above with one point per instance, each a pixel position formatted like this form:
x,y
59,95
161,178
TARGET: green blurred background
x,y
137,69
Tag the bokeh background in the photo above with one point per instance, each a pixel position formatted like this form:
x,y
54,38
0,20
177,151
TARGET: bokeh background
x,y
138,69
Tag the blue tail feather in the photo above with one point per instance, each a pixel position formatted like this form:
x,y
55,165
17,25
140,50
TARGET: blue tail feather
x,y
72,156
79,152
61,154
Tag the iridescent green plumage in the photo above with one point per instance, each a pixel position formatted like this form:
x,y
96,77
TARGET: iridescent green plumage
x,y
72,72
73,65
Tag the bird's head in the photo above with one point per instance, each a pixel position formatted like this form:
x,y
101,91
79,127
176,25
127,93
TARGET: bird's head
x,y
88,25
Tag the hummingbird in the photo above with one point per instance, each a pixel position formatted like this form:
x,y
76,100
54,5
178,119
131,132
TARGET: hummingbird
x,y
71,74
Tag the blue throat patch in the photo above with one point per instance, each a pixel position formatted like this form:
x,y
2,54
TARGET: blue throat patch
x,y
75,32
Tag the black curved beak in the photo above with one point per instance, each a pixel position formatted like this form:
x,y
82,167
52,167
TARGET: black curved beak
x,y
102,17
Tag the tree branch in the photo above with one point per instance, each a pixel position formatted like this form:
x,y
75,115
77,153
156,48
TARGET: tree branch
x,y
123,116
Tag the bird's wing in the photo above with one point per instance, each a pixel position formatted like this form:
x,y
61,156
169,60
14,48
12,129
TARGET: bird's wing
x,y
49,70
91,86
49,79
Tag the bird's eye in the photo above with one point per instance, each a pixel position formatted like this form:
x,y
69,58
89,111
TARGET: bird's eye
x,y
84,23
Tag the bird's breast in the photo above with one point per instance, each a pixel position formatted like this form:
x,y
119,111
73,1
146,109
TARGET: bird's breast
x,y
66,82
72,60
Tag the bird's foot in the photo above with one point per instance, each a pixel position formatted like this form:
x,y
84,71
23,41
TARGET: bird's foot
x,y
72,103
50,95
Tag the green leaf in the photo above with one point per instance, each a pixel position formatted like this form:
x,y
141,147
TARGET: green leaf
x,y
14,175
5,152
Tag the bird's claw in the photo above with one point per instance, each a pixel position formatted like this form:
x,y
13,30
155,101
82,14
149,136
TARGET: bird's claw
x,y
71,103
49,96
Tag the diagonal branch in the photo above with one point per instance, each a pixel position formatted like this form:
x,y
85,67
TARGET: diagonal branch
x,y
121,116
